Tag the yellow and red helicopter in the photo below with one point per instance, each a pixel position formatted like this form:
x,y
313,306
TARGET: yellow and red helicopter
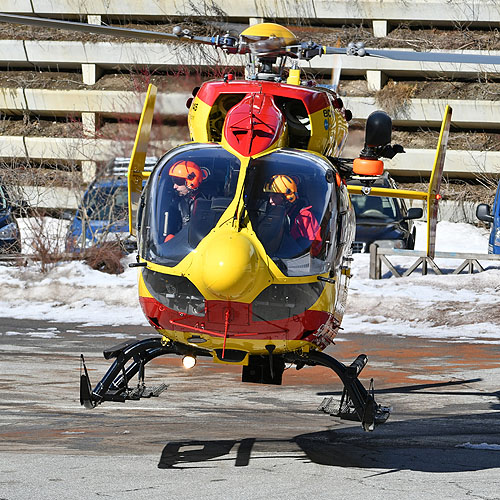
x,y
245,233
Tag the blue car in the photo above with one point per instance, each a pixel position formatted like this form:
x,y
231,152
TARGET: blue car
x,y
484,213
103,213
10,237
383,220
101,217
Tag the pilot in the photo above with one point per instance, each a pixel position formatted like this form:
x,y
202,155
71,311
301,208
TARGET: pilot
x,y
187,177
303,225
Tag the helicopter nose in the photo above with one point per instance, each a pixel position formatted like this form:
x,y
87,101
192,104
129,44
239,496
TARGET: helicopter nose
x,y
230,266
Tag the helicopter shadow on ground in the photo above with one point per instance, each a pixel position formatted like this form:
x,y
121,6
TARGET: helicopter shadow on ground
x,y
406,389
438,386
451,443
424,445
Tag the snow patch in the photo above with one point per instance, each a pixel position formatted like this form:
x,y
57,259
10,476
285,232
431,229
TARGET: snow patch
x,y
462,307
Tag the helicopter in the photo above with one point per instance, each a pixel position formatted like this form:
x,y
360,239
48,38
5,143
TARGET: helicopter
x,y
245,233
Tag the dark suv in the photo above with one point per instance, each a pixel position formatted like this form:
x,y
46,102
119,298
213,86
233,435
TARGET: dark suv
x,y
10,237
383,220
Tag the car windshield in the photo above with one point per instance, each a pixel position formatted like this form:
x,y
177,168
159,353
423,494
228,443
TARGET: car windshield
x,y
375,207
106,203
186,195
292,208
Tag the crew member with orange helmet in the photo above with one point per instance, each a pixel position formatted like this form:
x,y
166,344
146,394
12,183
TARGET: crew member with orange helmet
x,y
282,190
187,177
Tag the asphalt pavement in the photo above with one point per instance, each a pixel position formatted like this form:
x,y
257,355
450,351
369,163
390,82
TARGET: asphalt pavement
x,y
211,436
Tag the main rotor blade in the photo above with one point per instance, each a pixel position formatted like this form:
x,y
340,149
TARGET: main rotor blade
x,y
101,30
408,55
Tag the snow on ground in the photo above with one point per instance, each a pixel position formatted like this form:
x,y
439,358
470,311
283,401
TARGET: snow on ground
x,y
53,230
72,292
459,307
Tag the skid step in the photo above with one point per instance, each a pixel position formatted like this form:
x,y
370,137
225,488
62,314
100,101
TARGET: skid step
x,y
345,410
146,392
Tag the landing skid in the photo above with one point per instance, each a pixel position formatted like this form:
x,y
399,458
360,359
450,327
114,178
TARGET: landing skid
x,y
356,403
114,386
131,357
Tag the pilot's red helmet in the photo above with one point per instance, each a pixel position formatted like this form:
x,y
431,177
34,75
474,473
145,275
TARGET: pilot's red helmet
x,y
192,174
283,184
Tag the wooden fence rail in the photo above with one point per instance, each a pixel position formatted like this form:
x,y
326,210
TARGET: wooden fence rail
x,y
467,261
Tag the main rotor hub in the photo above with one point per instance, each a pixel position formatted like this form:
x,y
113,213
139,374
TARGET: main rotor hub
x,y
270,30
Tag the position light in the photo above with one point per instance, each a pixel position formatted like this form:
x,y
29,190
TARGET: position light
x,y
188,362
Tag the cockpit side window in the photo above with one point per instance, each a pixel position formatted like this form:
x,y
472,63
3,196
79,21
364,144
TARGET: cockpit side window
x,y
186,196
291,206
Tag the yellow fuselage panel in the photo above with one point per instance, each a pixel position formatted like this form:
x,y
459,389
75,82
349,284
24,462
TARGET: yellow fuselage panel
x,y
328,131
198,121
252,346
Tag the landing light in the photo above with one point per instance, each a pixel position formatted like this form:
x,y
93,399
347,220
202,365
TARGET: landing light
x,y
188,362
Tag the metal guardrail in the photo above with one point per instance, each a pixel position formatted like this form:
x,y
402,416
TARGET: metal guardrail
x,y
469,261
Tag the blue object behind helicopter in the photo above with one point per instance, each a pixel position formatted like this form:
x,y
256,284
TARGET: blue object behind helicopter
x,y
103,213
10,238
492,216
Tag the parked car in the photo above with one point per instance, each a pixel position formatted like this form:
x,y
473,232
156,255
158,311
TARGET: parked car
x,y
484,213
10,236
103,213
383,220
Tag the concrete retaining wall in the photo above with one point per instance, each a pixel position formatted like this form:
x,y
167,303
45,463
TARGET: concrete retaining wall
x,y
427,11
106,102
91,57
79,149
71,54
415,112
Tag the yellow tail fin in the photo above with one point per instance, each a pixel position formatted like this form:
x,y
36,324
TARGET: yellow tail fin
x,y
136,174
433,195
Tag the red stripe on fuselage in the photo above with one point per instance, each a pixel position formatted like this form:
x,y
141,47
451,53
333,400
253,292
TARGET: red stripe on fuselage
x,y
313,100
241,322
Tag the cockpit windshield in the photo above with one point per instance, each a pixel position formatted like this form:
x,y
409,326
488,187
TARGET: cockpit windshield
x,y
187,193
292,208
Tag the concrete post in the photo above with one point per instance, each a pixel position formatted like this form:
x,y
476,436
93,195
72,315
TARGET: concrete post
x,y
94,19
376,79
90,73
88,123
89,169
375,267
380,28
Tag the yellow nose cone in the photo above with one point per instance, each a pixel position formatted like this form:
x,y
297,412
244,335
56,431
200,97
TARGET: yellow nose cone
x,y
230,265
